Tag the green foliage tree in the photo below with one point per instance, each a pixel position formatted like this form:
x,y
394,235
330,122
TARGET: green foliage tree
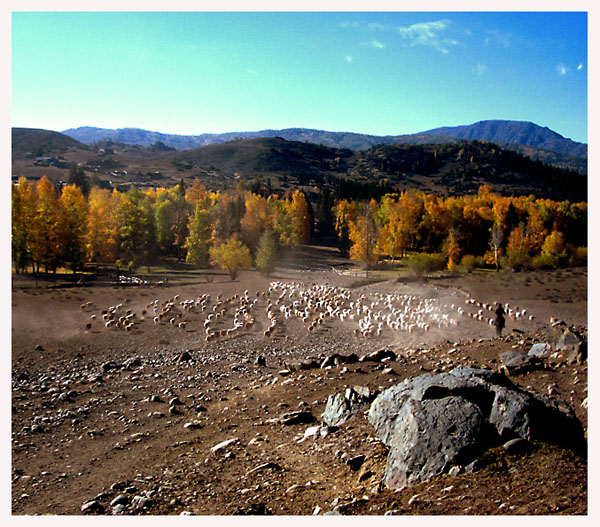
x,y
266,254
198,237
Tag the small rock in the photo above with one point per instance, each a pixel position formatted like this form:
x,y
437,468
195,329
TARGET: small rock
x,y
224,444
119,509
517,446
92,507
121,499
185,356
356,462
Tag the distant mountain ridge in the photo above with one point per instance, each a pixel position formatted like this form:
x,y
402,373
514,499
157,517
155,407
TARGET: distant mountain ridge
x,y
532,140
457,167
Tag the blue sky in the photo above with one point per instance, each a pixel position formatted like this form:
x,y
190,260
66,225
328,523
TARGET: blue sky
x,y
368,72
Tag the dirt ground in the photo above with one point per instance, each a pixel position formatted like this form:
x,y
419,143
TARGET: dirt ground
x,y
124,421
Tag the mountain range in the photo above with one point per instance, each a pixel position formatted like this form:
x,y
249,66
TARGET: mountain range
x,y
539,143
276,164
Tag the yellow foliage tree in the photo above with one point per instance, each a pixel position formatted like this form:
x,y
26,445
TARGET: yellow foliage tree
x,y
232,256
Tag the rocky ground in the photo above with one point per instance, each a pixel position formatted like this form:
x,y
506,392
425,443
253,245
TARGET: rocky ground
x,y
155,420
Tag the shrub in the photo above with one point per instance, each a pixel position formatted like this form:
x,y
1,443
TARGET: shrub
x,y
578,256
469,262
422,263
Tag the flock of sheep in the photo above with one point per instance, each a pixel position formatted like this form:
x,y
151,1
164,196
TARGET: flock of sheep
x,y
315,307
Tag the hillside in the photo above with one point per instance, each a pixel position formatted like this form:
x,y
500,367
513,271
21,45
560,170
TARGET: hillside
x,y
526,138
443,169
29,142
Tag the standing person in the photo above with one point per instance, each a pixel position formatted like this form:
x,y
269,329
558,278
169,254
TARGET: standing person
x,y
499,320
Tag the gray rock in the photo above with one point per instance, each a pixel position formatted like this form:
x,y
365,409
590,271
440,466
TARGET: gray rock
x,y
92,507
515,362
378,356
297,417
542,349
430,437
119,509
140,502
121,499
568,340
433,422
517,446
339,408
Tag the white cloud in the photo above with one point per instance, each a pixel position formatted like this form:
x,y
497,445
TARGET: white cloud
x,y
579,67
375,44
479,69
348,58
562,70
427,34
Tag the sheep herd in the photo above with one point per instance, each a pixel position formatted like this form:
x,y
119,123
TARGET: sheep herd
x,y
312,307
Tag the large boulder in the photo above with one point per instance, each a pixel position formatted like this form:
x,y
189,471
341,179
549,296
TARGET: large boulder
x,y
433,422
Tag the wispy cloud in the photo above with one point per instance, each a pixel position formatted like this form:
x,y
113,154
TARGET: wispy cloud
x,y
375,44
348,58
428,34
498,38
479,69
562,70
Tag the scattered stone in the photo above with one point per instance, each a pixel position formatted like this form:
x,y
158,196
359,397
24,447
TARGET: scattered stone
x,y
515,362
541,349
193,425
119,509
39,347
92,507
266,466
297,417
378,356
109,365
261,361
184,357
339,408
121,499
132,363
224,444
517,446
356,462
255,509
140,502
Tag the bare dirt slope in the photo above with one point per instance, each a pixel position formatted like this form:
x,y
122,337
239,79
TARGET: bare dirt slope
x,y
123,421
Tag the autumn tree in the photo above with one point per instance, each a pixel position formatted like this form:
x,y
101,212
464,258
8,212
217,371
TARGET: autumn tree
x,y
22,224
363,233
232,256
46,243
255,221
72,223
136,228
101,225
266,253
298,210
554,250
345,213
198,237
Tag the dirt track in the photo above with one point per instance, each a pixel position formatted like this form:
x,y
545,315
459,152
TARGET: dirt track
x,y
95,416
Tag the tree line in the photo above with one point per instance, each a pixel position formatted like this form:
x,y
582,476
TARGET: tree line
x,y
239,228
484,229
232,229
